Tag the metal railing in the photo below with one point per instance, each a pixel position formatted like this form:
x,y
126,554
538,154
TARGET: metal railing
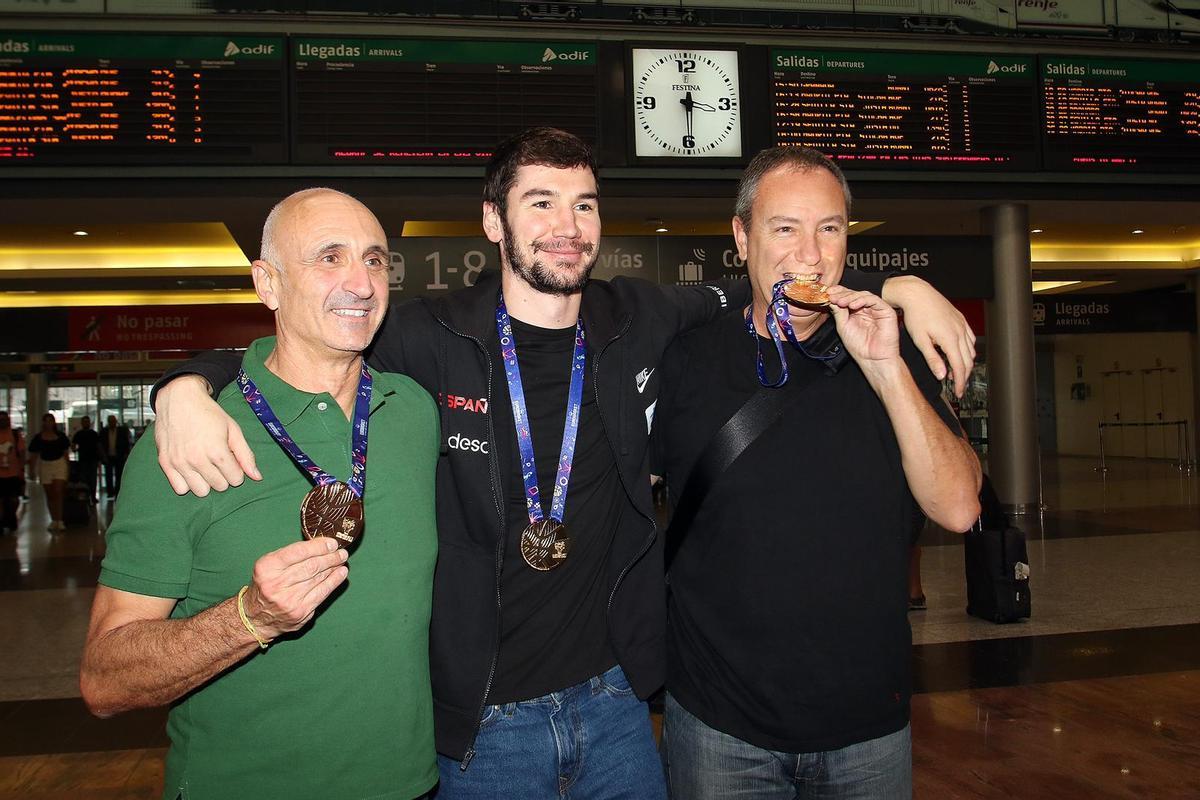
x,y
1183,459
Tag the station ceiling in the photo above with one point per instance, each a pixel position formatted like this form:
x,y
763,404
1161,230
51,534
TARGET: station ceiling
x,y
203,233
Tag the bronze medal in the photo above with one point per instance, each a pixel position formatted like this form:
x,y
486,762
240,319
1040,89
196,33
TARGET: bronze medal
x,y
544,544
332,510
807,293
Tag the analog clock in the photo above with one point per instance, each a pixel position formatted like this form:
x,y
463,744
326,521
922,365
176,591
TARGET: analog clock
x,y
686,103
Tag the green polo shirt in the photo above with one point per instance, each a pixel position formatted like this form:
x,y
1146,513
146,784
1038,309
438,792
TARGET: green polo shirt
x,y
342,708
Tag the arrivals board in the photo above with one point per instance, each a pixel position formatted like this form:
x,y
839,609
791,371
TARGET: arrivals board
x,y
141,99
891,110
1119,116
388,101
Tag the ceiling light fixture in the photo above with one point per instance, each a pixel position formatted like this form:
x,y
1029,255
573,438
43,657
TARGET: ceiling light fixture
x,y
81,233
1136,231
660,229
1045,286
1036,230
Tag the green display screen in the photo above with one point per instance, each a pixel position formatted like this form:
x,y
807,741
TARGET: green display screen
x,y
434,101
130,99
895,110
1104,115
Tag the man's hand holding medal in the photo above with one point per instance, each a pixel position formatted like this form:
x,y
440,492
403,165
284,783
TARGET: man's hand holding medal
x,y
291,583
867,326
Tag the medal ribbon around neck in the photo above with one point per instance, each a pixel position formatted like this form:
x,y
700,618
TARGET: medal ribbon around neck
x,y
508,351
358,432
778,320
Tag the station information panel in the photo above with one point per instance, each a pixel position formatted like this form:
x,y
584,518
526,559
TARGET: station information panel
x,y
1117,116
384,101
141,99
908,110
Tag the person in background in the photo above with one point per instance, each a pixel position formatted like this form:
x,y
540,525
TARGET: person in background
x,y
12,473
114,449
916,592
48,450
86,444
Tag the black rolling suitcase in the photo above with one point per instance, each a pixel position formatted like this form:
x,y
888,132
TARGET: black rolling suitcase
x,y
997,564
76,505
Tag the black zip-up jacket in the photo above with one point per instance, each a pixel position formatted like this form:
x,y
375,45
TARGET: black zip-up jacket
x,y
449,345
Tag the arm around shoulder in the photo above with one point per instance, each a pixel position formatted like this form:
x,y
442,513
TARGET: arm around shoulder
x,y
200,447
939,330
694,306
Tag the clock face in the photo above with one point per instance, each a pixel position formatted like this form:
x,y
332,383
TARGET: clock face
x,y
686,103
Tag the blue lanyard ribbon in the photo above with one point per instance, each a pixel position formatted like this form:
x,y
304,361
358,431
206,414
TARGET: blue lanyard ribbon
x,y
508,351
778,320
358,432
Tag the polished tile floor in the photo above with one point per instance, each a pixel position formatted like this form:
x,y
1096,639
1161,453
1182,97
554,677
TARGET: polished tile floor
x,y
1096,696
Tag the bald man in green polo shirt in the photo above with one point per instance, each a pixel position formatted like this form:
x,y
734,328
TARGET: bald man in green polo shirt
x,y
295,669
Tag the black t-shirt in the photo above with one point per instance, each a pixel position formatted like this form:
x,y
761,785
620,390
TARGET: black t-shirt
x,y
554,628
87,442
49,449
787,620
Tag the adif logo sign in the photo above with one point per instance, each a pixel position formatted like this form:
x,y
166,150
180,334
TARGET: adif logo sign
x,y
1009,69
231,49
1039,313
574,55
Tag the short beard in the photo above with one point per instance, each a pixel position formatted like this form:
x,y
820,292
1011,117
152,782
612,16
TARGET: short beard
x,y
542,278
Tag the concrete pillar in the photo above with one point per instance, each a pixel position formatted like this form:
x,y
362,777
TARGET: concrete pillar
x,y
1195,342
37,395
1013,463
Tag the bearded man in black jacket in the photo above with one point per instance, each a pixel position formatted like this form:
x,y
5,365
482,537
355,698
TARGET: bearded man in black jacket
x,y
548,609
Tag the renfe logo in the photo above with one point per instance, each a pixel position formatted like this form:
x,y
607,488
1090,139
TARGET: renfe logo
x,y
574,55
466,444
11,46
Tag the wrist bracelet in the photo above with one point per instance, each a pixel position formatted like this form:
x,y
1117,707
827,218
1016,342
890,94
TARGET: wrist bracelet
x,y
262,644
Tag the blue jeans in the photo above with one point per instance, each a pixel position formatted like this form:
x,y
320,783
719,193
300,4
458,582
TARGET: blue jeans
x,y
592,741
705,764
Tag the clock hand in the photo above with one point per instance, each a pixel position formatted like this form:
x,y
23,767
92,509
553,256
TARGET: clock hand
x,y
687,104
704,106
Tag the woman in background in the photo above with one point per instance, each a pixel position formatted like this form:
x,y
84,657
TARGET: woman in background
x,y
12,474
48,451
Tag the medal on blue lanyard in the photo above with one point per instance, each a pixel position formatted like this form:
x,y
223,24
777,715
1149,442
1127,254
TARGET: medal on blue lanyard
x,y
332,508
544,542
779,321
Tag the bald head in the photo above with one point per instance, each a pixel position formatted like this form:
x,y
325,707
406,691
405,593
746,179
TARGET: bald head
x,y
284,211
323,271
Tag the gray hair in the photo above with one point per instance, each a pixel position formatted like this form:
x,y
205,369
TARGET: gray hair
x,y
799,159
269,250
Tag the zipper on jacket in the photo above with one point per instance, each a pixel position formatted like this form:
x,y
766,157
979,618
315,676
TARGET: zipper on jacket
x,y
620,476
495,475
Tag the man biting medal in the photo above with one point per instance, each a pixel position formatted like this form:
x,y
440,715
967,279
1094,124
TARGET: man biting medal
x,y
235,607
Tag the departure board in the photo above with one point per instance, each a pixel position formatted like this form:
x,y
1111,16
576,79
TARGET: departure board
x,y
380,101
141,99
908,110
1106,115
